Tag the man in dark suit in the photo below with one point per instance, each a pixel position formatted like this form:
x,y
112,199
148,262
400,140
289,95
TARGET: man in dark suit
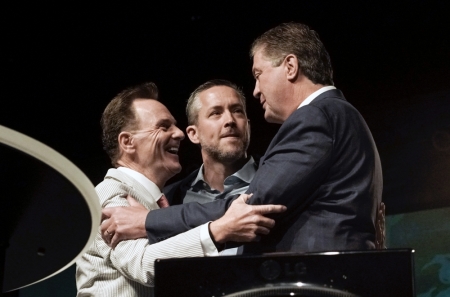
x,y
322,163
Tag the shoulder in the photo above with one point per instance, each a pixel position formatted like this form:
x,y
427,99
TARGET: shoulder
x,y
332,101
116,177
116,183
327,109
174,191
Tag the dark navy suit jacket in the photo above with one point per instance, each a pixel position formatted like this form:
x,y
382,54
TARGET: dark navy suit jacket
x,y
324,166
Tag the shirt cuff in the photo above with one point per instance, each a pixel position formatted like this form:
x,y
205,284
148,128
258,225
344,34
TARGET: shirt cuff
x,y
208,246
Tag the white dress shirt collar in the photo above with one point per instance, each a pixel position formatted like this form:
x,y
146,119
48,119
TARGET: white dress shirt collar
x,y
315,94
150,186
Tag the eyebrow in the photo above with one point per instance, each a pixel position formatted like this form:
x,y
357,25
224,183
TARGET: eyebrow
x,y
221,107
165,122
237,105
254,70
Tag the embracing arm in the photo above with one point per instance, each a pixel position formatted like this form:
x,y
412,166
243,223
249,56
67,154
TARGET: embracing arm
x,y
240,223
167,222
136,221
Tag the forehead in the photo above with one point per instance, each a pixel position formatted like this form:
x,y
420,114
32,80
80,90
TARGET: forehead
x,y
260,60
150,112
218,96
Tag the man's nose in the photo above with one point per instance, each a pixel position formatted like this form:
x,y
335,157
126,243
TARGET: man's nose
x,y
230,120
256,91
178,134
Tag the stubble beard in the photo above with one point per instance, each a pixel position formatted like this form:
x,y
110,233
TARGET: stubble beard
x,y
226,156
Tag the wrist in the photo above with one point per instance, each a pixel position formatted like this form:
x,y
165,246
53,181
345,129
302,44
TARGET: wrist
x,y
220,244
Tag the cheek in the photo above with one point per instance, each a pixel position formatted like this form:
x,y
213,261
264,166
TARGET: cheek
x,y
155,141
212,131
243,125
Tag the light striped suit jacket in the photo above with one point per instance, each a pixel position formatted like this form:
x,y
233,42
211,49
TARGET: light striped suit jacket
x,y
128,270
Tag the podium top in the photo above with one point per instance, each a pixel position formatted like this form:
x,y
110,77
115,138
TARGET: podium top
x,y
50,212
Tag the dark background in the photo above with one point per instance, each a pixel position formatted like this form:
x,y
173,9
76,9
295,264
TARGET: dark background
x,y
63,63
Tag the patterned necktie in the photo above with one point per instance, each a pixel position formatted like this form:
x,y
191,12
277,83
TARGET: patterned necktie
x,y
163,202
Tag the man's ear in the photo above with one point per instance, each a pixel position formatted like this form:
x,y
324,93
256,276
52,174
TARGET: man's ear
x,y
291,66
126,142
191,132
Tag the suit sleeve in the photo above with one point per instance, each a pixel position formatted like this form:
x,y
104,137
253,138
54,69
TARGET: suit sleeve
x,y
167,222
296,162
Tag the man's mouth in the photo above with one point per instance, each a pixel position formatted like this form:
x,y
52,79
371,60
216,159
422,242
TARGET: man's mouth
x,y
173,150
230,134
263,102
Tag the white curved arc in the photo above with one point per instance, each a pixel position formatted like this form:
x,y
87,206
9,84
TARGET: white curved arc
x,y
61,164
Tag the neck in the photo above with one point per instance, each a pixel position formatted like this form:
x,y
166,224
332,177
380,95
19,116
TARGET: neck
x,y
215,172
158,179
303,87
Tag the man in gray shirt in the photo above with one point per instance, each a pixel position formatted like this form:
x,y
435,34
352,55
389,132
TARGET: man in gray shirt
x,y
218,123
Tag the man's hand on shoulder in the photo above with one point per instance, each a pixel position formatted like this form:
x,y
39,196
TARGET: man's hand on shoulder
x,y
243,222
122,223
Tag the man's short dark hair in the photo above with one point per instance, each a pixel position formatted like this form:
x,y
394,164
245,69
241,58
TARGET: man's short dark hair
x,y
192,107
119,116
298,39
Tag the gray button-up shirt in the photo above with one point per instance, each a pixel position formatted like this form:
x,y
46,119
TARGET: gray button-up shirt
x,y
236,183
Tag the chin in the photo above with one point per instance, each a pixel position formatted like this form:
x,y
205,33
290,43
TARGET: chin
x,y
174,169
177,170
270,118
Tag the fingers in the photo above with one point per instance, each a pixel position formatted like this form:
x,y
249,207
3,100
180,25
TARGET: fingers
x,y
269,208
114,240
265,222
245,197
103,227
256,238
262,231
110,237
106,213
133,202
107,236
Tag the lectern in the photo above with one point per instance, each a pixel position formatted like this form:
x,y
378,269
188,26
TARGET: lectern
x,y
50,212
376,273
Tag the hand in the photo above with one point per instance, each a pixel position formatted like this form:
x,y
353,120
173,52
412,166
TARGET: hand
x,y
243,222
122,223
